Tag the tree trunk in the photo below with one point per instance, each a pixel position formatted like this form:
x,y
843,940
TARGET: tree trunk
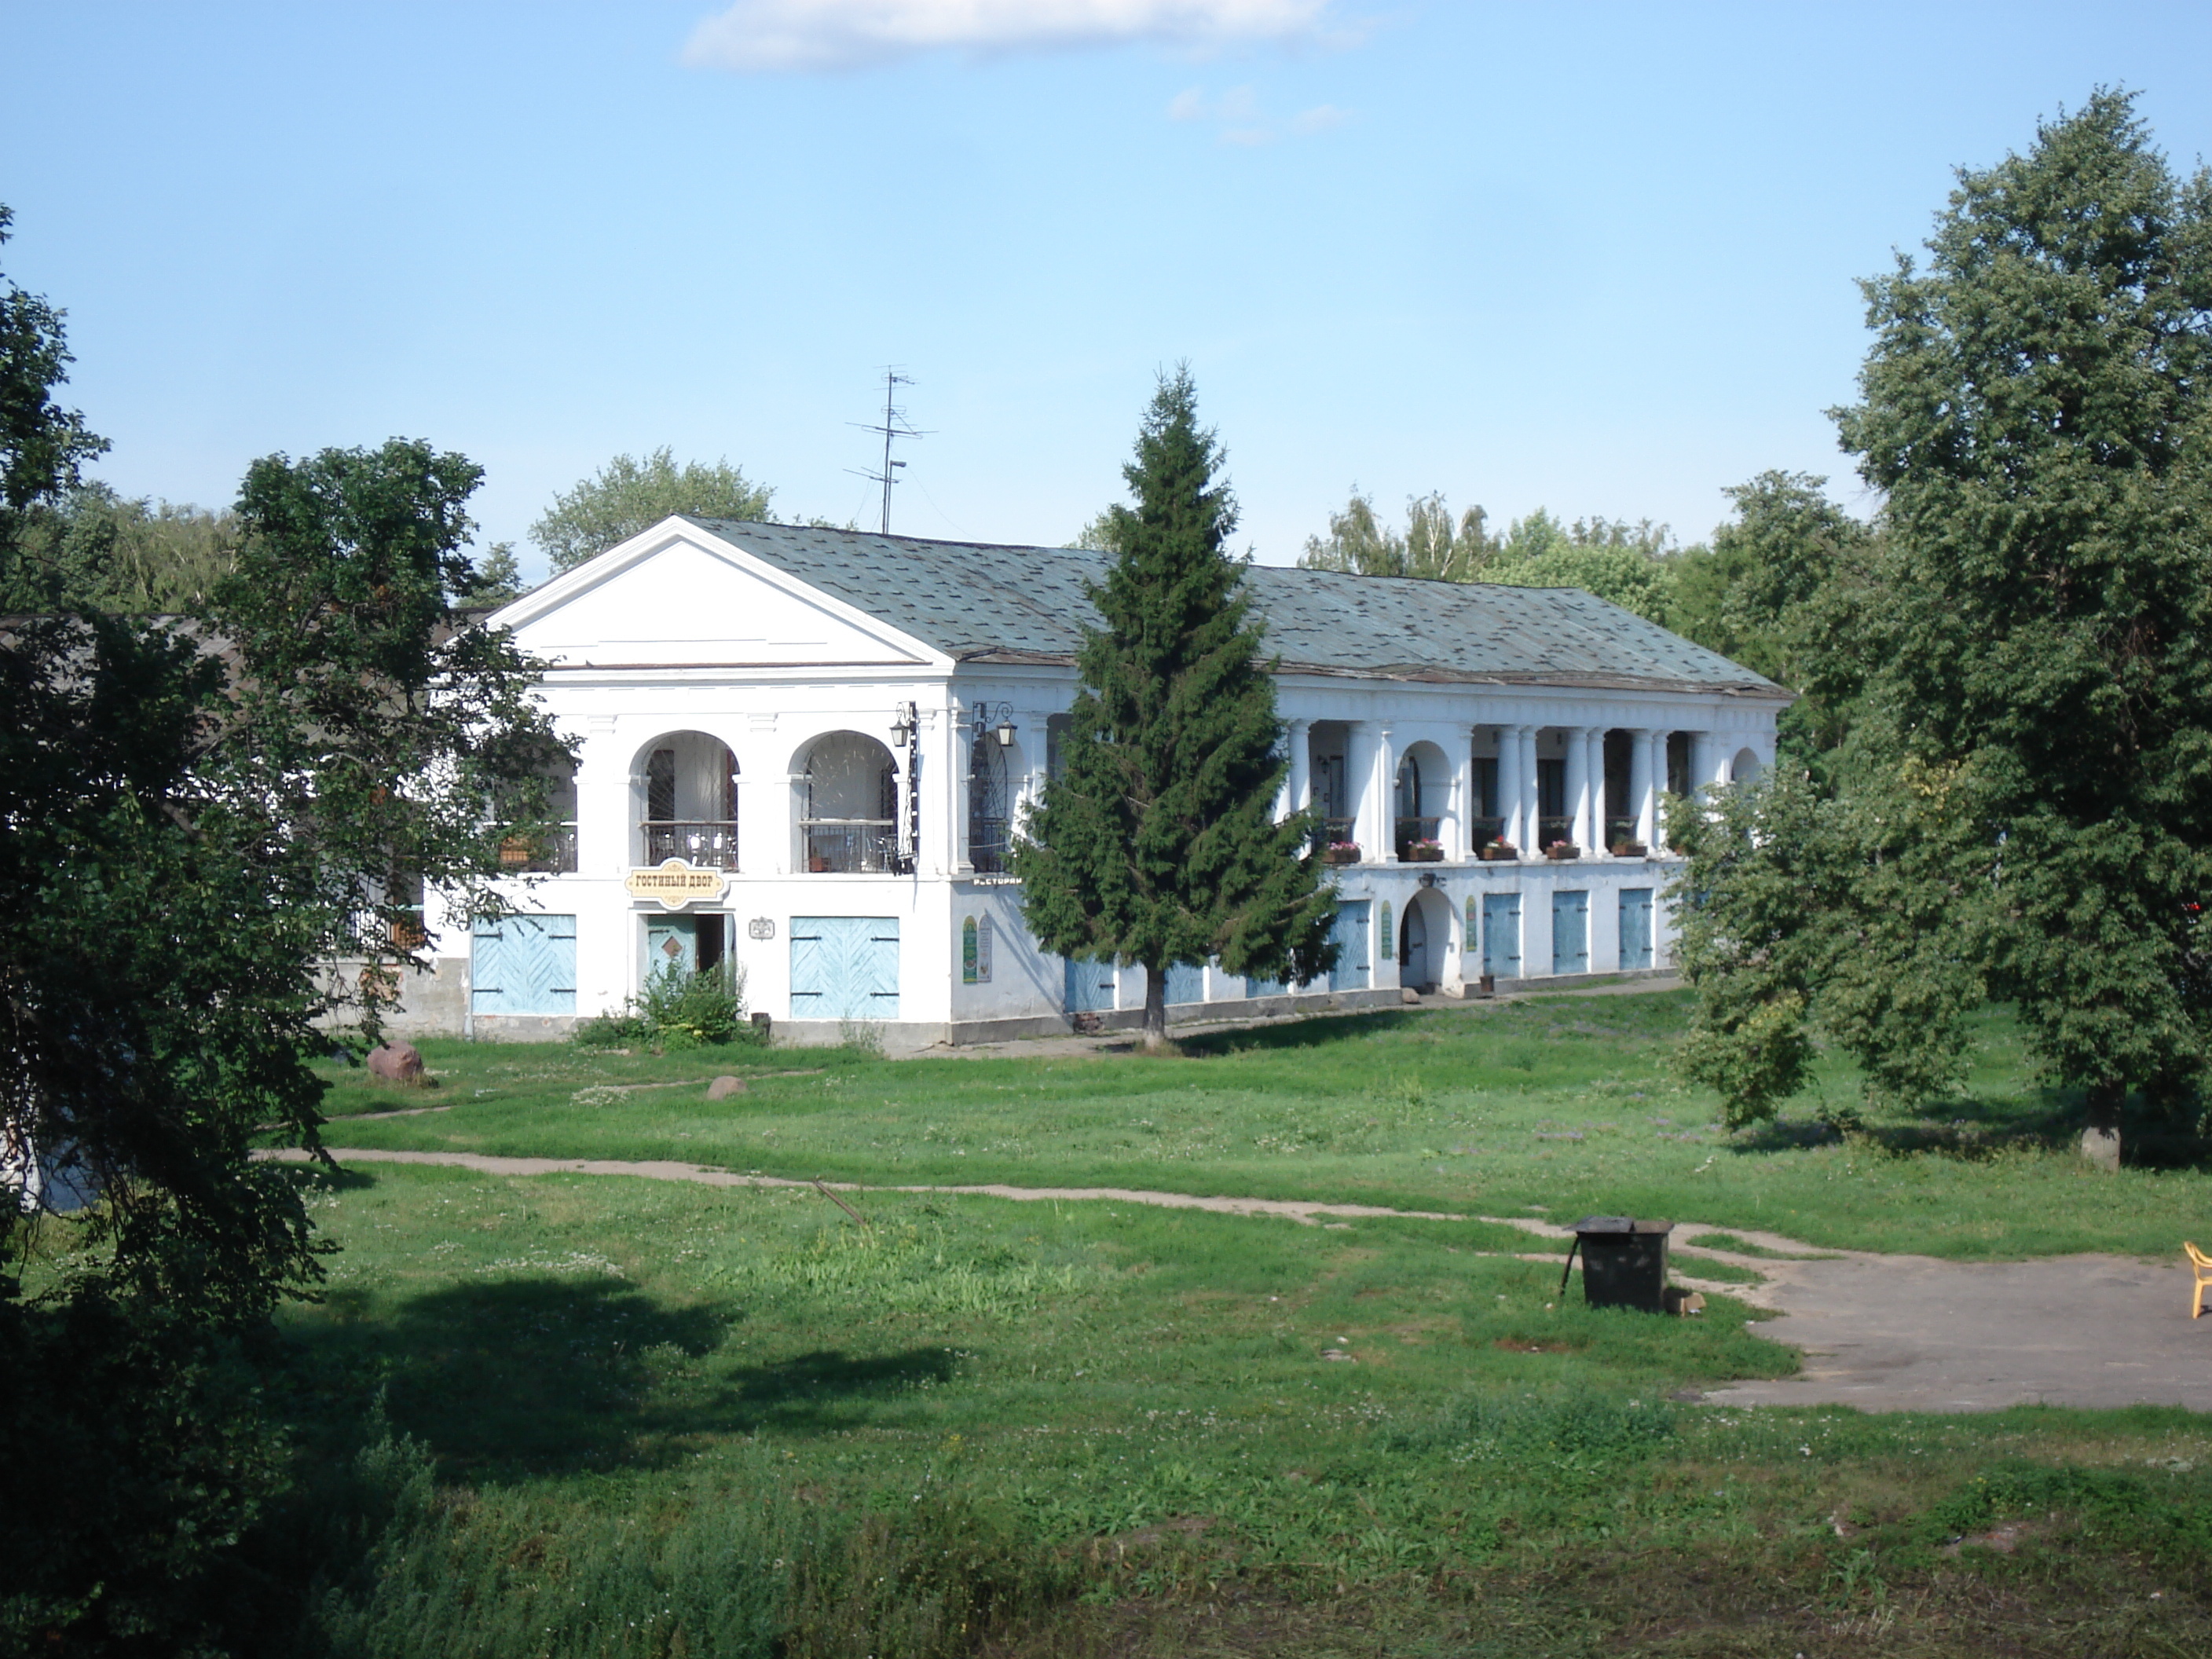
x,y
1156,1006
2100,1141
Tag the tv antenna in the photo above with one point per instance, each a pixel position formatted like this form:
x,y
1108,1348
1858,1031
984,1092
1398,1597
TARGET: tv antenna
x,y
893,426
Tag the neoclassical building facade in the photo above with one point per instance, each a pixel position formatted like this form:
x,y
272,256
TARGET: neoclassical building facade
x,y
805,752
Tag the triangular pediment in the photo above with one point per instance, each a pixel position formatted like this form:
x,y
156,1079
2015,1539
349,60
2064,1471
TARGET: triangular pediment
x,y
680,596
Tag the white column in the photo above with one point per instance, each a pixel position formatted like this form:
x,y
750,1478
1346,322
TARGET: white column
x,y
1385,850
1599,808
1462,846
1702,768
1361,744
1640,796
1297,784
1531,800
1578,787
1508,784
1653,827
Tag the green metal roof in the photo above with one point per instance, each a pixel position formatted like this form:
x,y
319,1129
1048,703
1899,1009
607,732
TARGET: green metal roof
x,y
979,602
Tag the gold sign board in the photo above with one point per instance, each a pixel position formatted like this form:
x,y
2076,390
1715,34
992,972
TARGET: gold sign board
x,y
677,883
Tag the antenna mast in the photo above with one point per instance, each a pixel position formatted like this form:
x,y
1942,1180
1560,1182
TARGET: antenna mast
x,y
893,426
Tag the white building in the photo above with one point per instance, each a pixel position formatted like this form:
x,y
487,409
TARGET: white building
x,y
805,750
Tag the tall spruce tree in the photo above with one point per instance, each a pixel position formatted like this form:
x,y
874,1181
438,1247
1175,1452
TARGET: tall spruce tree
x,y
1158,843
2028,773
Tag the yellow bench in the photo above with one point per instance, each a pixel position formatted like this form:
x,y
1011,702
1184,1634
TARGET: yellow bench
x,y
2201,1265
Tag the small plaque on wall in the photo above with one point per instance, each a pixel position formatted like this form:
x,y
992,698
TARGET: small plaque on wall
x,y
761,927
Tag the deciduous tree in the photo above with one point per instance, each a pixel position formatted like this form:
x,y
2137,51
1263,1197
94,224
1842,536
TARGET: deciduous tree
x,y
2028,773
628,494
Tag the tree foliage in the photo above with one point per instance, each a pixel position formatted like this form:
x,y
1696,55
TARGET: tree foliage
x,y
2022,800
628,494
1431,545
201,815
1629,564
1158,843
1781,590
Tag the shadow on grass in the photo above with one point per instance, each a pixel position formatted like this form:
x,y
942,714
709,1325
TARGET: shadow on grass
x,y
559,1375
1316,1031
1974,1127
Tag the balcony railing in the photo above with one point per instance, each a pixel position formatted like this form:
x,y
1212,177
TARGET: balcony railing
x,y
1411,833
1485,831
1620,832
547,852
710,844
847,847
1550,830
988,842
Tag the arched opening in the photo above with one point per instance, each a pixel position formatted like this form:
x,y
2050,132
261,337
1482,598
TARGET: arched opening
x,y
1423,786
1328,741
685,788
994,773
1746,766
848,801
1424,940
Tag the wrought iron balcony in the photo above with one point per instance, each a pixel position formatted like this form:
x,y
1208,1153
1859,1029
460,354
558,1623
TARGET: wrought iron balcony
x,y
1415,836
850,846
1551,831
550,851
706,843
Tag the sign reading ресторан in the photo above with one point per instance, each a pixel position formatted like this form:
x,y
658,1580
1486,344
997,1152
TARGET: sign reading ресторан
x,y
675,884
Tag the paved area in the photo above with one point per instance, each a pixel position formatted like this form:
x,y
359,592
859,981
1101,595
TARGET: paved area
x,y
1879,1333
1907,1332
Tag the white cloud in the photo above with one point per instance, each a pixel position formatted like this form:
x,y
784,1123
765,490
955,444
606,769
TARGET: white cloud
x,y
770,35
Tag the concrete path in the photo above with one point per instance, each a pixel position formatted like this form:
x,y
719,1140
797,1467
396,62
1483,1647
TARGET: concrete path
x,y
1879,1333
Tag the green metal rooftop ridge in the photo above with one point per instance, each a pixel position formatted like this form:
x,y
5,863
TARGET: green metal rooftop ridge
x,y
983,602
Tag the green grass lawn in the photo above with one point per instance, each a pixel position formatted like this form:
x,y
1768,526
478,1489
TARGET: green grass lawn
x,y
1559,1106
602,1415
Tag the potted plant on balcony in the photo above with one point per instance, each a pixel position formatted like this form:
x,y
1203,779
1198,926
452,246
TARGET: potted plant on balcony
x,y
1423,852
1561,850
1499,850
1341,851
515,852
1629,849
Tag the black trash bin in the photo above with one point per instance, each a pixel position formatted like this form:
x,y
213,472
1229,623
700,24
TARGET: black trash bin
x,y
1624,1262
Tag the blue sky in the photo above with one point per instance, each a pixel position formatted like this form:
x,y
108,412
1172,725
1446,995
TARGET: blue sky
x,y
1593,258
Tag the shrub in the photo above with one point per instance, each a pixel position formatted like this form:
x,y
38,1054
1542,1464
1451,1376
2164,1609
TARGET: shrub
x,y
678,1010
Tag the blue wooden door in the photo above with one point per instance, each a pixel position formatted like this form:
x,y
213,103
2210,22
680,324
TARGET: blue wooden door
x,y
523,965
1090,986
1186,983
1635,927
1570,933
844,968
1349,934
671,945
1501,934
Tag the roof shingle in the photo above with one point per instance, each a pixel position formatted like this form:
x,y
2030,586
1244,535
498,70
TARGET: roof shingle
x,y
980,602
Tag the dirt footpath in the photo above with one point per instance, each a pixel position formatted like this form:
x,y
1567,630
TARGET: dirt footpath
x,y
1879,1332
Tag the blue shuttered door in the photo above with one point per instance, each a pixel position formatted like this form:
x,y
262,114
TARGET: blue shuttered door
x,y
1349,933
523,965
844,967
1090,986
1635,927
1501,934
1570,933
1186,983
